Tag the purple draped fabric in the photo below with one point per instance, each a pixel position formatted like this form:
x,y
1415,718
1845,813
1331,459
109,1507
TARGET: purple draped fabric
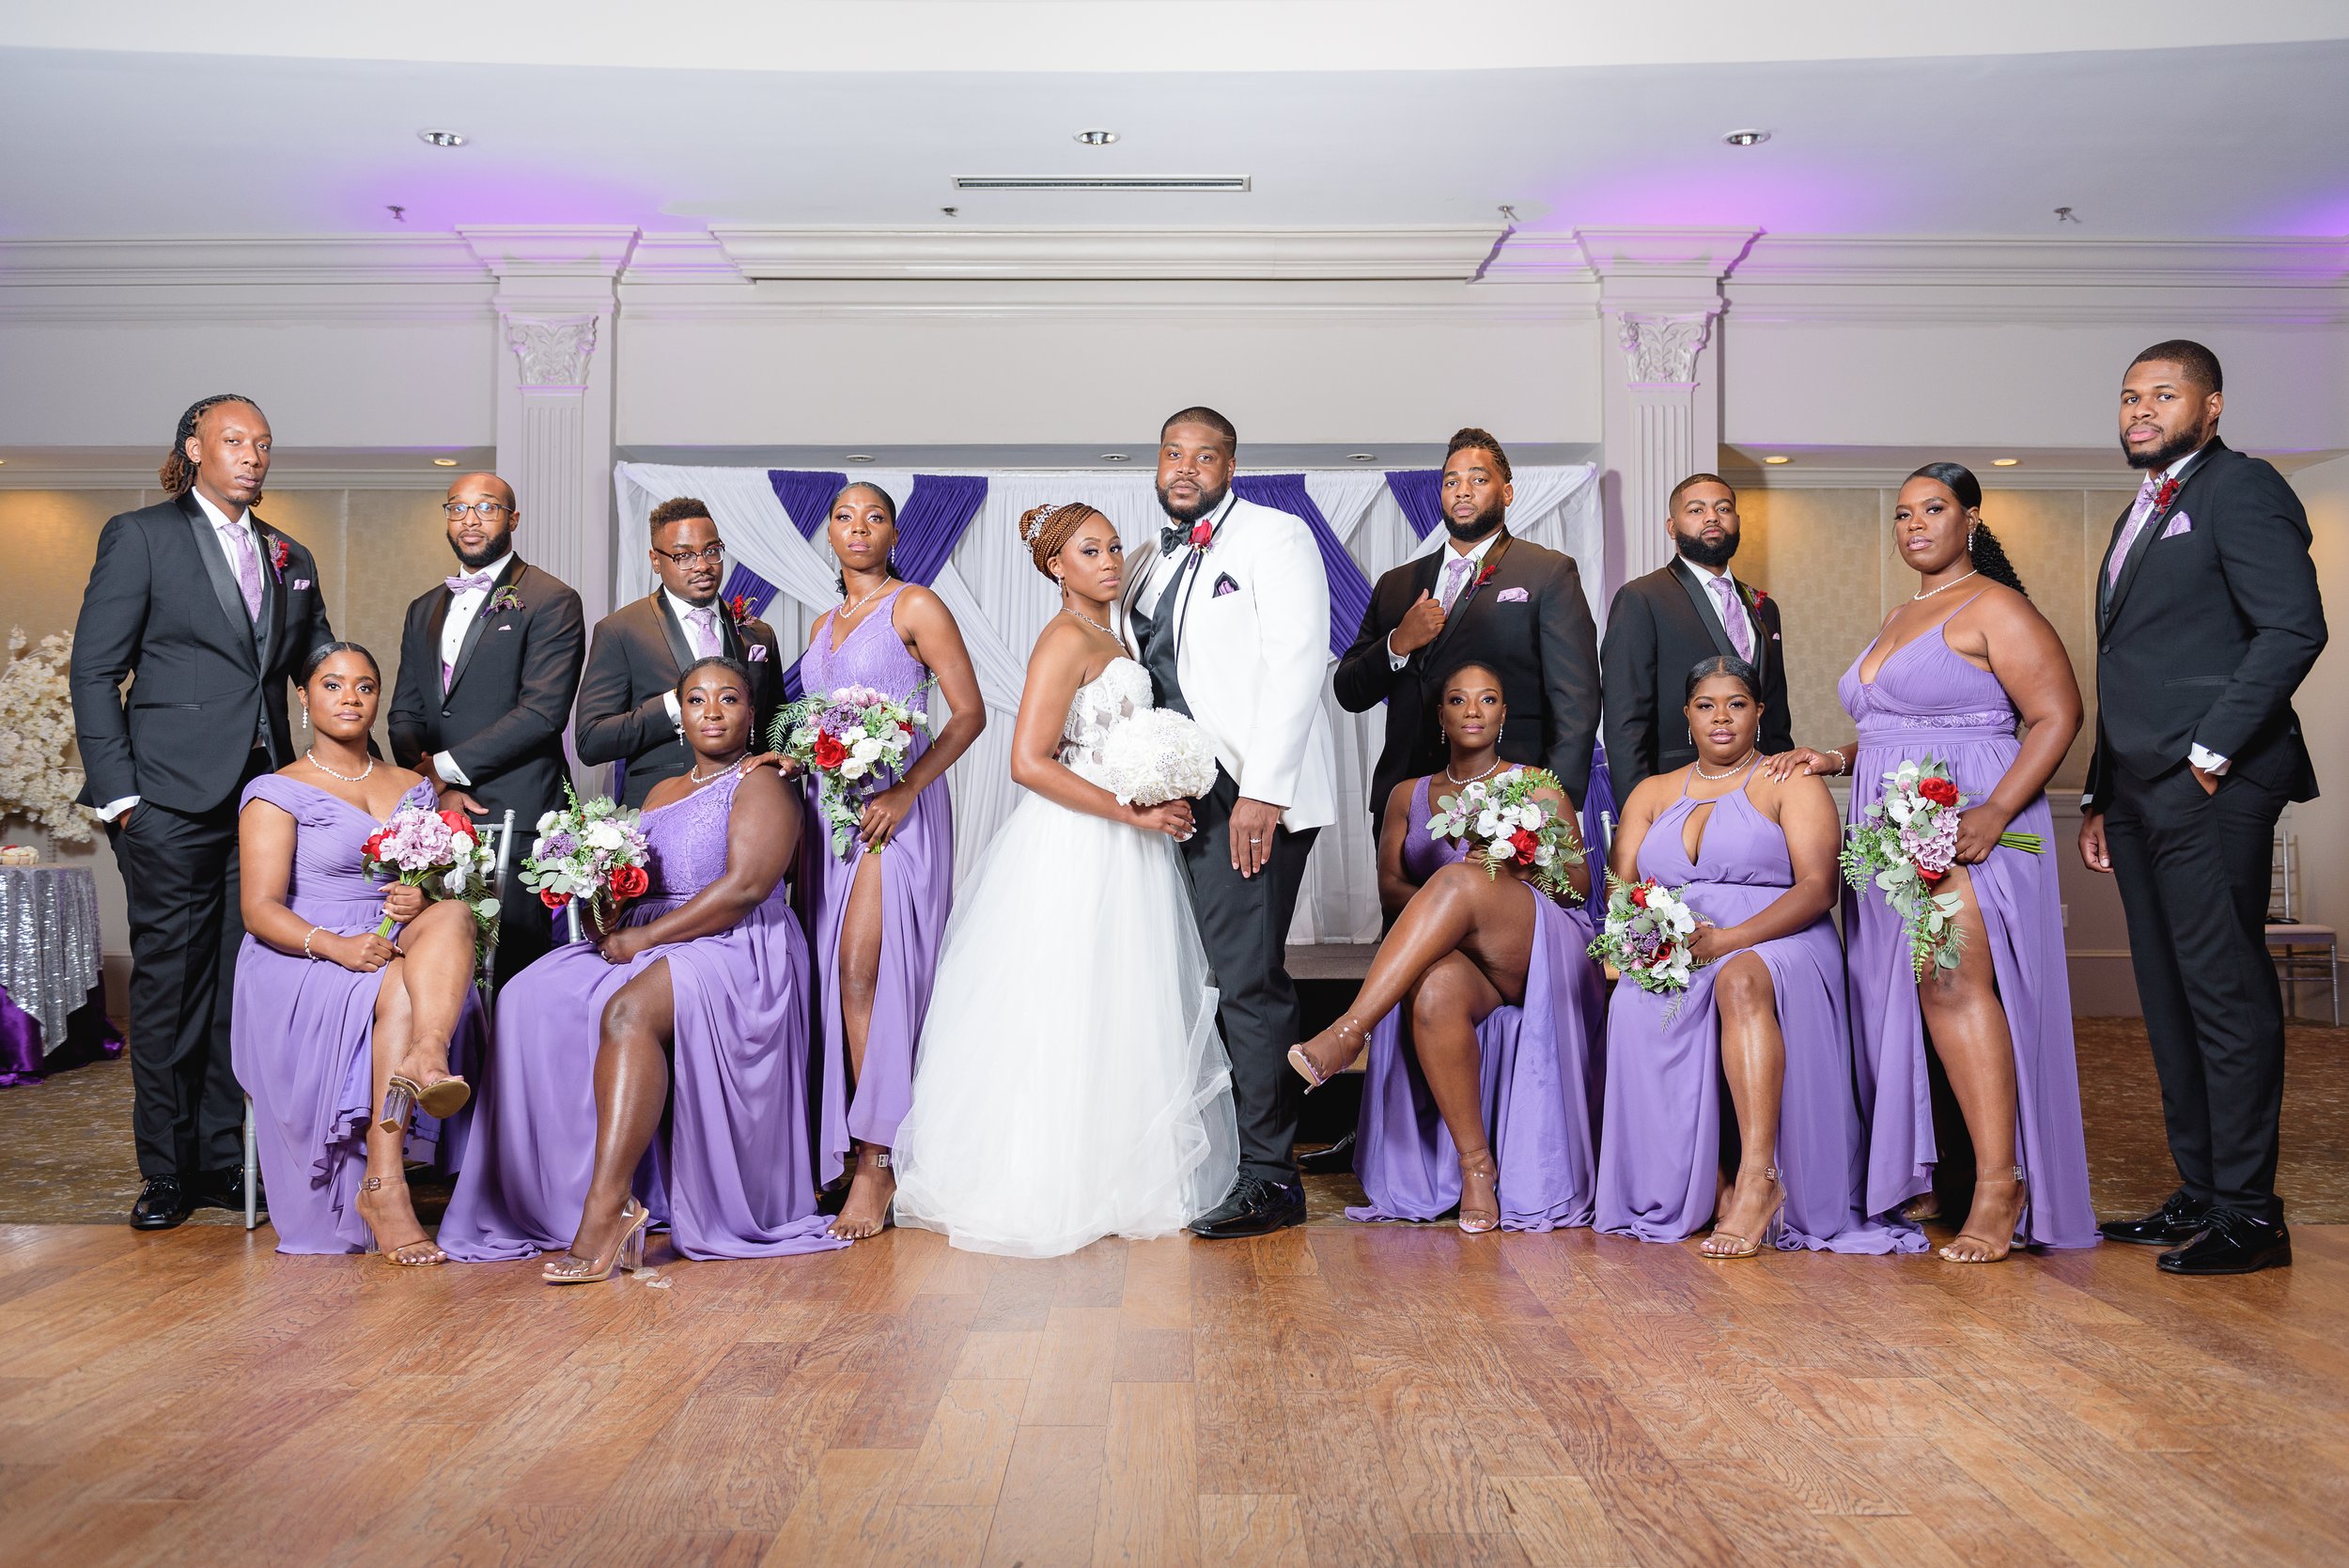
x,y
1349,590
806,496
90,1036
1420,492
1598,799
933,521
749,593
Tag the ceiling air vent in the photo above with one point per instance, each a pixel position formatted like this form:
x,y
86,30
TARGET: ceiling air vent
x,y
1102,182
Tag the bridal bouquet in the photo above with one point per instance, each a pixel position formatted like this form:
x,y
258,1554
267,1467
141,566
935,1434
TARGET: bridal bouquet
x,y
1503,820
594,853
1156,756
1646,935
439,852
1907,842
855,742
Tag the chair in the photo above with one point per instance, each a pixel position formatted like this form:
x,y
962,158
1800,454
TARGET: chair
x,y
2303,952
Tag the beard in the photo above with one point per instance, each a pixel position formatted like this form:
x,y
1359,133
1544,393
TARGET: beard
x,y
1476,527
475,560
1711,557
2162,454
1208,500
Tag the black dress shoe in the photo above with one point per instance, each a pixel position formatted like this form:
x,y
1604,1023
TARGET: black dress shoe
x,y
224,1189
1254,1207
2232,1243
2178,1220
163,1205
1335,1161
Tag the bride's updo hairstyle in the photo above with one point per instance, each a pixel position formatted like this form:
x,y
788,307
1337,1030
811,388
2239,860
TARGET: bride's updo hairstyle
x,y
1983,551
1046,529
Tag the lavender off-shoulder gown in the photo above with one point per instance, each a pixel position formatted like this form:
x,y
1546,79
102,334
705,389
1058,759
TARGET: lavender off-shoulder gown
x,y
917,871
303,1032
1659,1169
728,1172
1541,1071
1927,701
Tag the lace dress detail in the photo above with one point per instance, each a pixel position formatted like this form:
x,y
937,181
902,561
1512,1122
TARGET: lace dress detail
x,y
1116,694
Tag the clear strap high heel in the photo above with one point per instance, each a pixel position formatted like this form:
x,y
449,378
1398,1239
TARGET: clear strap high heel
x,y
407,1254
1998,1250
1748,1247
628,1253
1348,1034
1477,1221
403,1095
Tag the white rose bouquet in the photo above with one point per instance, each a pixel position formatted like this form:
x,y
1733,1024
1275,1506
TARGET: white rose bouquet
x,y
1506,821
1645,936
1905,843
1156,756
594,853
855,742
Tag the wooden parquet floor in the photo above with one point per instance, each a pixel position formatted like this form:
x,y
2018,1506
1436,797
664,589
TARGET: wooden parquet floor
x,y
1338,1394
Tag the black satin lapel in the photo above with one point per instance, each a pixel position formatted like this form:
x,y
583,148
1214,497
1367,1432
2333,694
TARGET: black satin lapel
x,y
215,555
1707,616
480,623
680,648
1496,557
272,594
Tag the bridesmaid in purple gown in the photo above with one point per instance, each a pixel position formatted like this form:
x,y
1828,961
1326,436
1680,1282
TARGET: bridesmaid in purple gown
x,y
1528,1084
1756,859
326,1011
1503,1005
660,1074
1949,676
879,917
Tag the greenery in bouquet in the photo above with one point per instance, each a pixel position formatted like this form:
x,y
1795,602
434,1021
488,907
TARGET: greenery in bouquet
x,y
1646,936
594,852
1904,844
1514,819
441,853
854,743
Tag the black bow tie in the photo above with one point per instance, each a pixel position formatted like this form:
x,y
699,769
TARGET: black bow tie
x,y
1171,537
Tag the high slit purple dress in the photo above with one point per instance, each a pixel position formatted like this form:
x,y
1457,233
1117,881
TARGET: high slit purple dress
x,y
917,871
1540,1071
728,1172
1927,701
303,1032
1658,1170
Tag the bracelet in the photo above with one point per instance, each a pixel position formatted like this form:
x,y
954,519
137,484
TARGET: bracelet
x,y
1842,763
305,942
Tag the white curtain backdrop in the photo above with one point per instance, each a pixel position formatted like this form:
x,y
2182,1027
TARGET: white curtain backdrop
x,y
1002,604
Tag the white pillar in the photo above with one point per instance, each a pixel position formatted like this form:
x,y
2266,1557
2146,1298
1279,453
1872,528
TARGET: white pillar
x,y
1660,293
556,302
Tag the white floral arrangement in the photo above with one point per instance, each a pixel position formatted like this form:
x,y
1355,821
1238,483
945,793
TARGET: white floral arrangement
x,y
1510,821
854,743
1156,756
37,778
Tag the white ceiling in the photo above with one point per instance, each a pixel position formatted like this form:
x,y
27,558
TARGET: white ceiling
x,y
141,118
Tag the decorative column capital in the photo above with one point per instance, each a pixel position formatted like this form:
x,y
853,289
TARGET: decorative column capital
x,y
553,350
1662,349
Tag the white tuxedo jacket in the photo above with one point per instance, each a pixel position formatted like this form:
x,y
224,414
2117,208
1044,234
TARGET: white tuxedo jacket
x,y
1252,657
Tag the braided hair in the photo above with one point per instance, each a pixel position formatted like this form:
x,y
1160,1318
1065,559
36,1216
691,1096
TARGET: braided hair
x,y
889,505
1983,550
178,473
1046,529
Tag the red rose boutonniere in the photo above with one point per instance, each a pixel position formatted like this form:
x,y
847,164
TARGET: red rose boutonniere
x,y
2165,495
507,597
278,556
1486,575
1201,534
743,608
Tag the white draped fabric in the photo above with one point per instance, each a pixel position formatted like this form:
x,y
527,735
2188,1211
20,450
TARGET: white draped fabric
x,y
1002,602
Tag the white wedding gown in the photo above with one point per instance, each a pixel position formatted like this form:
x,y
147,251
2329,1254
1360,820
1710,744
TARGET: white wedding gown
x,y
1070,1084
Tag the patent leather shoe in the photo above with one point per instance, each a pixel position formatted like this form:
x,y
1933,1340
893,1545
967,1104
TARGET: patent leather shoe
x,y
163,1205
1254,1207
2232,1243
223,1189
2176,1222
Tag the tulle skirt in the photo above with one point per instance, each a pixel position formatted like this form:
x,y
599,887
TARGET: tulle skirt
x,y
1069,1085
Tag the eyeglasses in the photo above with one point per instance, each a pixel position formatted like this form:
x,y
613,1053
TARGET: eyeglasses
x,y
488,511
684,558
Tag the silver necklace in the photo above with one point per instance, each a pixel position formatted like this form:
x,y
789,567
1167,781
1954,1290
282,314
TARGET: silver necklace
x,y
1090,621
1734,769
848,612
347,778
696,775
1485,774
1951,583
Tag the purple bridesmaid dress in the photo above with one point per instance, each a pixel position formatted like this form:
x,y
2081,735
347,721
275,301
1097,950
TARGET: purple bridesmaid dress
x,y
1927,701
1540,1073
1658,1171
303,1032
728,1172
917,871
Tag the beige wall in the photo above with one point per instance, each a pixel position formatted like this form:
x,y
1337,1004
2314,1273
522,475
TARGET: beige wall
x,y
2322,825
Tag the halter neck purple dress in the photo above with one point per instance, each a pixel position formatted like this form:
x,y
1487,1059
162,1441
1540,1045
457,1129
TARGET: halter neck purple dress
x,y
728,1172
1927,701
303,1032
1659,1169
917,870
1540,1069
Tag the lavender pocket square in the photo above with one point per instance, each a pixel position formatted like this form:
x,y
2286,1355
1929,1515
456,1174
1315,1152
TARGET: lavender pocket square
x,y
756,653
2179,524
1510,596
1224,584
301,582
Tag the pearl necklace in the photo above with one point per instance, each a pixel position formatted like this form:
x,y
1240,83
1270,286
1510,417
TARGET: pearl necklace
x,y
1090,621
1951,583
1734,769
695,773
1485,774
359,777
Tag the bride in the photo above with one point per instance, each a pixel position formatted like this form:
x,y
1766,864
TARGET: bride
x,y
1070,1084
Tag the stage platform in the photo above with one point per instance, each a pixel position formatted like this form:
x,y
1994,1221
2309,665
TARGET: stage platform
x,y
1335,1394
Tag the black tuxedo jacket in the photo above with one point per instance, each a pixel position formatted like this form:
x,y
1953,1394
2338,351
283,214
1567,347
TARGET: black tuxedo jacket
x,y
2212,627
163,609
1529,623
502,716
1659,626
639,651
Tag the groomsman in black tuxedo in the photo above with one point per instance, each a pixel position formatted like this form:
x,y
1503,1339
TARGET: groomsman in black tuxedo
x,y
488,663
1491,598
627,708
208,612
2207,619
1691,608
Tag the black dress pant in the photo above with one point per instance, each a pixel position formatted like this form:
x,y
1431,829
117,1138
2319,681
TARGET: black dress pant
x,y
179,877
2194,874
1244,924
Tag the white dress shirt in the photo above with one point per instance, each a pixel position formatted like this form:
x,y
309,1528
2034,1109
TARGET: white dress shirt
x,y
1706,577
463,608
1474,554
685,613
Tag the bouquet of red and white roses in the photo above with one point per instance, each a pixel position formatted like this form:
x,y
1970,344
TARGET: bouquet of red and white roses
x,y
855,742
439,852
1505,821
1907,844
593,853
1645,936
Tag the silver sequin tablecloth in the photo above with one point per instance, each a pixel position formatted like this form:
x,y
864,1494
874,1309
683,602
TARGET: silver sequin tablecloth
x,y
49,957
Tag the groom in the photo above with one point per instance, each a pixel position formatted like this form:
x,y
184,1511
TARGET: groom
x,y
1231,615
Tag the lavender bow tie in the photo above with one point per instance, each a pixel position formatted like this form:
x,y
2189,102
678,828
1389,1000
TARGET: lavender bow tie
x,y
477,582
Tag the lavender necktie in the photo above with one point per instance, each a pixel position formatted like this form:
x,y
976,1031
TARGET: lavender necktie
x,y
705,632
238,536
2146,495
1733,619
1453,574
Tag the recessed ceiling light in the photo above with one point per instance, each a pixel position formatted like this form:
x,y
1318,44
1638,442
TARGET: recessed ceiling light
x,y
1776,460
1096,138
1746,138
860,456
1362,456
442,138
1112,456
443,462
2004,462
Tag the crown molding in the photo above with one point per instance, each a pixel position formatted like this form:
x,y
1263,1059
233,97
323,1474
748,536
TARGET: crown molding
x,y
933,252
249,261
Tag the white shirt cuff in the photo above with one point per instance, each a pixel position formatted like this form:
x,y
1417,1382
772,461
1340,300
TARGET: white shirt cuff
x,y
1395,661
113,808
445,764
2208,760
677,714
